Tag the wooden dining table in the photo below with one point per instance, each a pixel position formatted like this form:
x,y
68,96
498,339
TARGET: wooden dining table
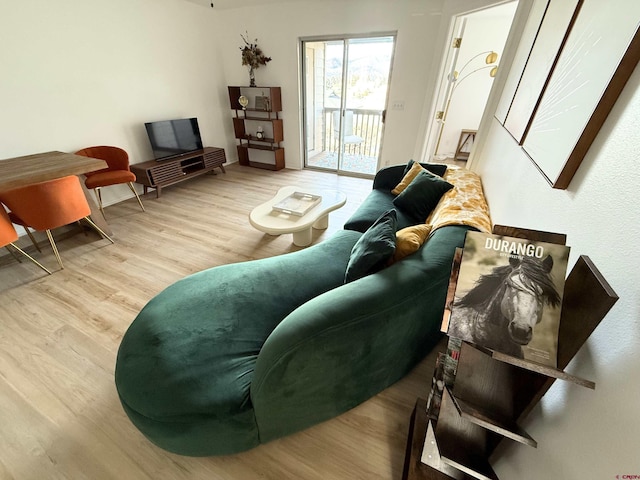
x,y
40,167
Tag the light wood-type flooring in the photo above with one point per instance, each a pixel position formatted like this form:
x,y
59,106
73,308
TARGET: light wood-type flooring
x,y
60,417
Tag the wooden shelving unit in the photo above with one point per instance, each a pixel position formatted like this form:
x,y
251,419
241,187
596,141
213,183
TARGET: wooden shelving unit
x,y
265,104
493,392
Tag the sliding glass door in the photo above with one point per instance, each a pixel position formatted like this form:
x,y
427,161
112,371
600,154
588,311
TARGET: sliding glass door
x,y
346,82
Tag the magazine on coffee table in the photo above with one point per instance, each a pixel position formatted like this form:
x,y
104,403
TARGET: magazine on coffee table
x,y
298,203
508,296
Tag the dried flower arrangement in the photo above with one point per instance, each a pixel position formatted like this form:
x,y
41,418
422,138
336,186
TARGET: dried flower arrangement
x,y
252,56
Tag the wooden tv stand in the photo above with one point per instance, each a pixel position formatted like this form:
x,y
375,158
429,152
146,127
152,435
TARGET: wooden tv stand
x,y
159,174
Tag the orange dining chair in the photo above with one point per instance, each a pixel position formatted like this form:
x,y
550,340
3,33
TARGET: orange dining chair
x,y
8,235
117,171
51,204
17,221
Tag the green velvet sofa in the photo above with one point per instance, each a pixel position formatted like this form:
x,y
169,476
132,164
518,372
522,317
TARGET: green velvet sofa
x,y
381,199
242,354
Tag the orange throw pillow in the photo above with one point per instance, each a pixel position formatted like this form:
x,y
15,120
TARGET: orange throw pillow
x,y
415,169
410,239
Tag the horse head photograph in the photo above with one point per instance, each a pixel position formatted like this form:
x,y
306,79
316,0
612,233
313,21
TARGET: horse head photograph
x,y
504,307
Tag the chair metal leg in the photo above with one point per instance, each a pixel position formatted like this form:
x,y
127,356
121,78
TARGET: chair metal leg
x,y
13,253
29,257
136,194
98,229
84,230
33,239
96,191
55,249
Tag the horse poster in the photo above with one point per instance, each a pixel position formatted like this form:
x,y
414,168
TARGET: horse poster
x,y
508,296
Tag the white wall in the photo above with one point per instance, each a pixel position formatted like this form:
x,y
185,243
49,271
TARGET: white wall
x,y
278,28
82,72
77,73
90,72
428,128
583,434
85,72
483,32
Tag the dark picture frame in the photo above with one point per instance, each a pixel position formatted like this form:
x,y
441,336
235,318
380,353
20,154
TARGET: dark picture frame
x,y
555,104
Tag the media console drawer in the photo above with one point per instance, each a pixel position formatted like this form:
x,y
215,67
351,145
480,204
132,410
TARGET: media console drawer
x,y
159,174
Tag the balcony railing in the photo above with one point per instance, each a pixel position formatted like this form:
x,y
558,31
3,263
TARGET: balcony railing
x,y
365,137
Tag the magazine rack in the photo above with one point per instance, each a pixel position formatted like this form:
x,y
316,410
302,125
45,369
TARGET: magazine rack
x,y
493,392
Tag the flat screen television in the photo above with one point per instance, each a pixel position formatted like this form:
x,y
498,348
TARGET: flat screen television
x,y
171,138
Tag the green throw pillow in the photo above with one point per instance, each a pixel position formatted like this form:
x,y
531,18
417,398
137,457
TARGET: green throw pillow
x,y
374,248
436,168
422,195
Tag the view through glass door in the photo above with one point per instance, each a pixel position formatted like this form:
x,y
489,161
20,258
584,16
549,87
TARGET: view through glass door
x,y
345,94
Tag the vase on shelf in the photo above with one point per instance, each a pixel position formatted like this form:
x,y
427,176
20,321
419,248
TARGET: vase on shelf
x,y
252,77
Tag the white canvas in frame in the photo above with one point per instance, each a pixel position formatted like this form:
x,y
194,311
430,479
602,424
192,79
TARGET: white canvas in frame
x,y
528,37
542,57
598,40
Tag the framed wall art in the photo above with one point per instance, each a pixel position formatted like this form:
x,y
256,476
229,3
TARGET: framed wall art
x,y
579,55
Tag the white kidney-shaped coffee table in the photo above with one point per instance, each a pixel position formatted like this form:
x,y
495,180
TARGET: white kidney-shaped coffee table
x,y
267,220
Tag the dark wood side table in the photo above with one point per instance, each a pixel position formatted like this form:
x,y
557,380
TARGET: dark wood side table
x,y
465,136
414,469
493,392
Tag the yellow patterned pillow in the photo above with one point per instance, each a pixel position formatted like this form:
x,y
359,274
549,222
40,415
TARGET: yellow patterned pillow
x,y
409,240
464,204
413,172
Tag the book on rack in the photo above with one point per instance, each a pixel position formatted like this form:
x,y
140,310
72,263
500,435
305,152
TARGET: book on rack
x,y
451,290
444,375
437,386
508,296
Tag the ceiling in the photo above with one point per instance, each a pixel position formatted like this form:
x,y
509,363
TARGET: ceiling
x,y
227,4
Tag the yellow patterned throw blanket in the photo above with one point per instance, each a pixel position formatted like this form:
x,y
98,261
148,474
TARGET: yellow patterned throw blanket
x,y
464,204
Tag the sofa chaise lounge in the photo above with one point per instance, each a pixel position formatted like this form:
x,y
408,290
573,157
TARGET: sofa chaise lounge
x,y
241,354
